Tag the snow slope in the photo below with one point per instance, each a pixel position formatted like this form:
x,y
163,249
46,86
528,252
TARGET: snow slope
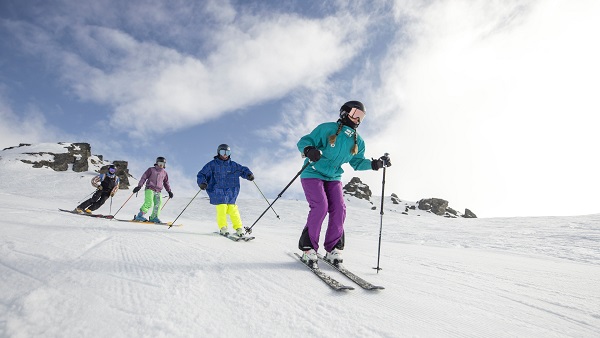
x,y
64,275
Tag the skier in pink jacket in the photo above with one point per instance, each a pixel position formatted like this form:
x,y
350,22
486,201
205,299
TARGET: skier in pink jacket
x,y
155,179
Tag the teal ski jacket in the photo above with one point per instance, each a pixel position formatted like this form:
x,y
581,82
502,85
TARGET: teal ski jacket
x,y
329,167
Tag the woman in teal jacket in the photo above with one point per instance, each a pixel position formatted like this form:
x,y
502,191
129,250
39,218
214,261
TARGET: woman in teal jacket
x,y
328,147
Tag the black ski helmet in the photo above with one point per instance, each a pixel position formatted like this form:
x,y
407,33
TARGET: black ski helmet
x,y
347,107
223,147
161,159
345,110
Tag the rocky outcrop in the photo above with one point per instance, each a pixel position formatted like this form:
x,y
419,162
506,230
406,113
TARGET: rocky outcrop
x,y
440,207
123,173
358,189
78,157
435,205
20,145
469,214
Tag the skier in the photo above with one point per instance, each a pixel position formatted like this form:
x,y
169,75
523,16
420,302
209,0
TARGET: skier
x,y
106,184
155,178
220,179
328,147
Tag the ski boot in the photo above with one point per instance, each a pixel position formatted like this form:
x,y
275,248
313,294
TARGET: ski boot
x,y
224,231
240,232
88,211
140,217
310,258
334,257
154,219
78,210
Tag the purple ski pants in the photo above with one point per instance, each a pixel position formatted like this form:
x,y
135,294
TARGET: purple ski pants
x,y
324,197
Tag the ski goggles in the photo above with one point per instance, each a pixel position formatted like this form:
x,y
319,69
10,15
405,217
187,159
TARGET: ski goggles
x,y
224,152
356,113
112,170
162,164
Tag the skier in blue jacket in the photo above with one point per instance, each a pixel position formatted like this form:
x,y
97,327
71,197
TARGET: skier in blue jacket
x,y
328,147
221,180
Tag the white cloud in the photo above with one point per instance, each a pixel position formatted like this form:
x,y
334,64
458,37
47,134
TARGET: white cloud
x,y
220,10
495,101
156,88
28,127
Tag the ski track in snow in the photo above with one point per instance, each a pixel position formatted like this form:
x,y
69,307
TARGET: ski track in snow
x,y
64,275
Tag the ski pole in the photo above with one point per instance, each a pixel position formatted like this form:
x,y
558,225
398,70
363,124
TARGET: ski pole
x,y
249,229
381,216
184,208
167,201
86,197
263,195
122,206
110,210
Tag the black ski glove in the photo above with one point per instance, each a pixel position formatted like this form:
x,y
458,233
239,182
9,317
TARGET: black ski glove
x,y
383,161
251,177
202,186
170,194
136,189
376,164
312,153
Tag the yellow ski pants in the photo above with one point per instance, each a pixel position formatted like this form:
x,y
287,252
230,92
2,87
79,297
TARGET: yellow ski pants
x,y
234,215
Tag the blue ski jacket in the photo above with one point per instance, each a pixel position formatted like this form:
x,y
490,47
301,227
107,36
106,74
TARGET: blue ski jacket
x,y
222,178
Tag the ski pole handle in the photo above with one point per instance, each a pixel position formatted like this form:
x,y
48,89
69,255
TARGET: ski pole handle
x,y
386,160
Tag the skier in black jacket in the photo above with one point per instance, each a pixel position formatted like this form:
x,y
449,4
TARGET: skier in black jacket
x,y
107,185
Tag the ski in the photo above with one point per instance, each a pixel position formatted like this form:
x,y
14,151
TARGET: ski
x,y
237,238
86,214
361,282
148,222
334,284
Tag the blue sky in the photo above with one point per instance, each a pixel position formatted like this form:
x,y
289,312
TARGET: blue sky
x,y
488,104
